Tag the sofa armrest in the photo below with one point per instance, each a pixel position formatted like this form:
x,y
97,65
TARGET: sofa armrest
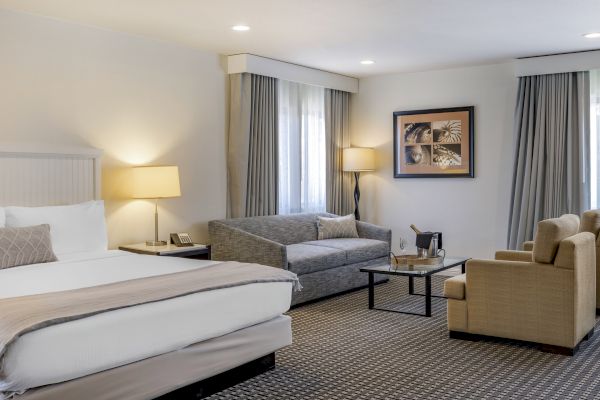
x,y
528,246
233,244
370,231
514,255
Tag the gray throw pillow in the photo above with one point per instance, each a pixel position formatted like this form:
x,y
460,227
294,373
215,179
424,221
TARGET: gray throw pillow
x,y
27,245
338,227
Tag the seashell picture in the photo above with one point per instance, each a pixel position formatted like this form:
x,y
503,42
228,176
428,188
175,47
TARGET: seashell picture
x,y
434,143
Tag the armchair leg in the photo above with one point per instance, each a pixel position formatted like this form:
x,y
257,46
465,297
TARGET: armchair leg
x,y
564,351
589,335
464,336
597,311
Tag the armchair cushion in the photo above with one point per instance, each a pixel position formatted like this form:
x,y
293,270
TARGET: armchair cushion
x,y
590,222
549,234
305,258
357,250
454,288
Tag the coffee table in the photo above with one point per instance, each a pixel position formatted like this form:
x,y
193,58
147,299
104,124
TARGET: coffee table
x,y
416,271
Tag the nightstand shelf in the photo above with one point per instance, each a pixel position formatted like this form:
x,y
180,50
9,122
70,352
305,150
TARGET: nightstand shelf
x,y
198,251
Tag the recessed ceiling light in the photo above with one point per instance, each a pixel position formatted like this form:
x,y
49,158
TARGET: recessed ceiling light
x,y
367,62
240,28
592,35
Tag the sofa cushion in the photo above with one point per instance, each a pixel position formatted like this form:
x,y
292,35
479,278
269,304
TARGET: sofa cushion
x,y
454,288
305,258
357,250
549,234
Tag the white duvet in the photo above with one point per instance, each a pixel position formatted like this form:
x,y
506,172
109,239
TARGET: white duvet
x,y
73,349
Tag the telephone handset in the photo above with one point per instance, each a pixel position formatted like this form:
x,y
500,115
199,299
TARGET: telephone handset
x,y
181,239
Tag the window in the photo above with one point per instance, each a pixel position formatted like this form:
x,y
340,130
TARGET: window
x,y
594,138
301,148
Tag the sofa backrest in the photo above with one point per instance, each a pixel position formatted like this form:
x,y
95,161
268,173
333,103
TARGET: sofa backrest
x,y
284,229
550,233
590,222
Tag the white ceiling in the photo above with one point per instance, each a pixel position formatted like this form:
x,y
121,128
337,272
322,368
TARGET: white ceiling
x,y
334,35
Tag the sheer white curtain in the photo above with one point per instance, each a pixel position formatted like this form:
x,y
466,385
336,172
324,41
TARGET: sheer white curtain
x,y
595,138
301,148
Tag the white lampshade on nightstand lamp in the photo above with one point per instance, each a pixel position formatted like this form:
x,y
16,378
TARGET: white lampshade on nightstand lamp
x,y
357,160
155,182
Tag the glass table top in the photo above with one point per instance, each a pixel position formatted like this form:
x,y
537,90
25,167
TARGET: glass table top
x,y
416,270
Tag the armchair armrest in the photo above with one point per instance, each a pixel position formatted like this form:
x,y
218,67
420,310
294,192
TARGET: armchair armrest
x,y
370,231
514,255
233,244
528,246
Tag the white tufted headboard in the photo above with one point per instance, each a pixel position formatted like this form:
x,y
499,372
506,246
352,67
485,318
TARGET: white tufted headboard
x,y
44,175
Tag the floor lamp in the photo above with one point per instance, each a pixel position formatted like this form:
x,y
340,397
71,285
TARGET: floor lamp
x,y
357,160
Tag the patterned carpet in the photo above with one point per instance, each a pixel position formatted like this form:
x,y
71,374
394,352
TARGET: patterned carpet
x,y
342,351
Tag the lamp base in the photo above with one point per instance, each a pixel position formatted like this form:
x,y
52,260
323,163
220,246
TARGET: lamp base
x,y
156,243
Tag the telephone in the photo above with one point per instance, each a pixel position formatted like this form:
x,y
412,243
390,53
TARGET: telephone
x,y
181,239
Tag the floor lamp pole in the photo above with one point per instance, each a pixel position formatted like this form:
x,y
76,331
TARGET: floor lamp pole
x,y
356,195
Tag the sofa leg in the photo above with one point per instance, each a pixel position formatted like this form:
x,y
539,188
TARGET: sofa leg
x,y
464,336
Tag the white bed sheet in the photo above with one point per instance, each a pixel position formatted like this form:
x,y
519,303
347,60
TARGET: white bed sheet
x,y
77,348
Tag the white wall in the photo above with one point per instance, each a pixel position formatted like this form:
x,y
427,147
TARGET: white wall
x,y
142,101
471,213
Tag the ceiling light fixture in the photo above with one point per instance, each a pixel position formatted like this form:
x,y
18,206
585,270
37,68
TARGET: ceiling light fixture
x,y
367,62
592,35
240,28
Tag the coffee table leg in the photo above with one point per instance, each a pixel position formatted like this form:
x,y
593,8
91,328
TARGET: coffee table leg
x,y
428,296
463,267
371,291
411,285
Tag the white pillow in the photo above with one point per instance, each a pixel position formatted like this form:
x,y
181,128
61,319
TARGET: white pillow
x,y
2,218
73,229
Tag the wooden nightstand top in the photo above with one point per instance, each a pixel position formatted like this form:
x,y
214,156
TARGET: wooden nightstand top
x,y
168,250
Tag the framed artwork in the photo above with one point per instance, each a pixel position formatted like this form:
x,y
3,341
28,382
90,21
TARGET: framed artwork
x,y
435,143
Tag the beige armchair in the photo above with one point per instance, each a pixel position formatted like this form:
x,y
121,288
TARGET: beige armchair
x,y
590,222
546,298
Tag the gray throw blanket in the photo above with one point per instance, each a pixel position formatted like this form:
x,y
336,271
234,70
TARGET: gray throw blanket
x,y
29,313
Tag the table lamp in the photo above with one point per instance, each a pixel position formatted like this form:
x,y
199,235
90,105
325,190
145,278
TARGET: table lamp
x,y
155,182
357,160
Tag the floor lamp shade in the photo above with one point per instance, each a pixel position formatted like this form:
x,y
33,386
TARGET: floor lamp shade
x,y
357,160
156,182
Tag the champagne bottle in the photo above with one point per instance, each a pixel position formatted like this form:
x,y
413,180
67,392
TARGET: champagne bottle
x,y
414,228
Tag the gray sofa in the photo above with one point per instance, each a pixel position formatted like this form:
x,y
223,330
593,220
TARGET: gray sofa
x,y
324,267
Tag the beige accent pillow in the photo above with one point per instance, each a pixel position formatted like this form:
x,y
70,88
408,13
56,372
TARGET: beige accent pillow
x,y
24,246
337,227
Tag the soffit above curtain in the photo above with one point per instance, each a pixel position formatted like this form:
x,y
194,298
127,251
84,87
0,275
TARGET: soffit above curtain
x,y
250,63
558,63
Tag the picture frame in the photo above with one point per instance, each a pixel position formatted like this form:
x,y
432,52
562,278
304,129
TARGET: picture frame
x,y
435,143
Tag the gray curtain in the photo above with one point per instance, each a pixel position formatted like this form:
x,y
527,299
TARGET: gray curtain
x,y
551,172
252,147
337,131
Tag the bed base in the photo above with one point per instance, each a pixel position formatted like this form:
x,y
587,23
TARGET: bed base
x,y
194,372
225,380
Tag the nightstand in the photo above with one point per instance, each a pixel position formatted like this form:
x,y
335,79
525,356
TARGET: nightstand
x,y
198,251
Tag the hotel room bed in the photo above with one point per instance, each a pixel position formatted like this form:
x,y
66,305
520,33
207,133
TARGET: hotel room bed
x,y
110,339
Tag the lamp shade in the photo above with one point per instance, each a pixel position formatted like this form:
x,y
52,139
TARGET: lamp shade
x,y
155,182
358,159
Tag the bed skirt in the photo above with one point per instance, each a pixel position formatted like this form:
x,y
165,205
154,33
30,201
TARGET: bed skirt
x,y
156,376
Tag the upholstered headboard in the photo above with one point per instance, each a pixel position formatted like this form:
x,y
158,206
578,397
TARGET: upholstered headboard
x,y
46,175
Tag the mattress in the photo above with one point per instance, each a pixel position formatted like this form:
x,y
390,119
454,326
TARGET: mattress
x,y
77,348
